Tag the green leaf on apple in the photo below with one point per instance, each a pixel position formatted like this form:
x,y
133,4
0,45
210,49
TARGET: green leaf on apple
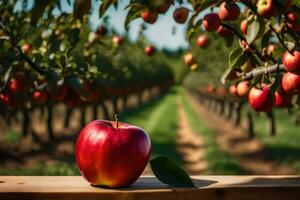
x,y
168,172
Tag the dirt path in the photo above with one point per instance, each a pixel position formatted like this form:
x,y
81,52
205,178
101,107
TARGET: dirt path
x,y
190,145
250,153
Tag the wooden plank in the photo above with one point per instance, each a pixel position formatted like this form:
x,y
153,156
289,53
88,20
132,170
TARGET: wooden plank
x,y
148,187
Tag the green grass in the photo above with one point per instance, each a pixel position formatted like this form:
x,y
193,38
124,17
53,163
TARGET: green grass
x,y
159,120
284,146
11,137
219,162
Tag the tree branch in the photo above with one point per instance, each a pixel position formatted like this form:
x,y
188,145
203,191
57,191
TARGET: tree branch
x,y
280,39
260,71
21,53
240,36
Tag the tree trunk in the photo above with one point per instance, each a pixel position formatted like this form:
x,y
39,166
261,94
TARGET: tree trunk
x,y
82,116
95,111
237,114
49,123
26,122
271,128
105,111
250,130
124,106
68,116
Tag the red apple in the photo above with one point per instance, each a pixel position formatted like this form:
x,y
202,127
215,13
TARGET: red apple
x,y
117,40
282,99
26,48
290,82
266,8
293,22
188,59
244,26
162,6
8,99
18,83
112,154
102,30
39,97
229,11
202,41
180,15
149,16
211,22
261,99
149,50
224,32
292,62
232,90
243,88
59,93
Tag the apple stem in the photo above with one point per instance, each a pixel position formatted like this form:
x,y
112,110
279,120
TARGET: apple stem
x,y
117,121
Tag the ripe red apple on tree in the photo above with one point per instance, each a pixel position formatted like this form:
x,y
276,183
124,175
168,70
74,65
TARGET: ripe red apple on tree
x,y
266,8
292,21
8,99
112,154
244,26
282,99
290,82
291,62
162,6
180,15
261,99
202,41
58,93
149,50
188,59
26,48
101,30
39,97
117,40
243,88
149,16
232,90
229,11
18,83
211,22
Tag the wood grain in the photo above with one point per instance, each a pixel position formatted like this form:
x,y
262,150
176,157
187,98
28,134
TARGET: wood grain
x,y
148,187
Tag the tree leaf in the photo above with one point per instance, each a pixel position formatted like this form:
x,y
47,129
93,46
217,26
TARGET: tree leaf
x,y
38,10
133,13
236,58
168,172
81,8
255,29
104,6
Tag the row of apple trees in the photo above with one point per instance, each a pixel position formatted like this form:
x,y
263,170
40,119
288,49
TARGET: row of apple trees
x,y
263,66
49,59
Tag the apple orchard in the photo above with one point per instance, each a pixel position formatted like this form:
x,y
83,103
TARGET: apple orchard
x,y
49,60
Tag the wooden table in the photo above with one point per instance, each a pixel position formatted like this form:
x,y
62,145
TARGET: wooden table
x,y
148,187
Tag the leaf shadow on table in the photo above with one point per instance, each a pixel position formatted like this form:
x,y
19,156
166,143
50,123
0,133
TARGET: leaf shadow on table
x,y
151,183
